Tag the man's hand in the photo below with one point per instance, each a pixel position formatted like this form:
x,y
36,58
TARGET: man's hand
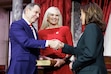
x,y
55,44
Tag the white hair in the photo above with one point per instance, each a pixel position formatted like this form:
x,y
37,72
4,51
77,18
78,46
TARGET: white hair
x,y
45,24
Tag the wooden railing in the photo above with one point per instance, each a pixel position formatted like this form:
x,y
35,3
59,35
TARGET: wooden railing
x,y
108,63
2,69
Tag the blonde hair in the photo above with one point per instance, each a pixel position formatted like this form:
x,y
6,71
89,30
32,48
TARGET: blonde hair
x,y
45,24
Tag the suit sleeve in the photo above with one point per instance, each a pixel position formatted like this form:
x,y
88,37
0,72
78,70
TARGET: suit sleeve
x,y
70,50
18,34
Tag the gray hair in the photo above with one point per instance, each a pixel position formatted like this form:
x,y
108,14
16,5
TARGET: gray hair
x,y
30,6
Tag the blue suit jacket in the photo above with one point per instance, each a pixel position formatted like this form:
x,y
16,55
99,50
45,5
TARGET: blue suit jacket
x,y
24,48
89,52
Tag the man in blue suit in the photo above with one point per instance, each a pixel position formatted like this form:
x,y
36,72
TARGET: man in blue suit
x,y
24,43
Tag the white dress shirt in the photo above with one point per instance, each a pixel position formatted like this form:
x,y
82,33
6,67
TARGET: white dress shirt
x,y
32,28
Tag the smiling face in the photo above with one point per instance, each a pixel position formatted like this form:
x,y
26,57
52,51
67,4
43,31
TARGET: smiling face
x,y
82,17
33,14
53,17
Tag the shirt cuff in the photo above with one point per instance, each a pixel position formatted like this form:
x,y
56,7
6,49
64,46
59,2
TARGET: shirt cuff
x,y
46,45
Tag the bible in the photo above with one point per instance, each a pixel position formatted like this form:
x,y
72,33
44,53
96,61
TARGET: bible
x,y
45,62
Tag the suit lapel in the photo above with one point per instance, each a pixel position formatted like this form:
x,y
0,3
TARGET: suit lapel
x,y
27,29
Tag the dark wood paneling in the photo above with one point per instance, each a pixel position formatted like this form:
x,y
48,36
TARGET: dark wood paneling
x,y
108,63
7,4
2,69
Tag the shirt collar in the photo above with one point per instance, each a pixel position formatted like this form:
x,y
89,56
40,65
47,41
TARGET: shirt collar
x,y
26,21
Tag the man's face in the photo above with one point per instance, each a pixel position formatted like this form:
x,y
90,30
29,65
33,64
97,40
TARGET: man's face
x,y
33,14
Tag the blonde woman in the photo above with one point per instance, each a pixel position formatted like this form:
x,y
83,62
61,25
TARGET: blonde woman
x,y
52,28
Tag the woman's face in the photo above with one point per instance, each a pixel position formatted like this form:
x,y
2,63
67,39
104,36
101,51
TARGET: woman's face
x,y
53,17
82,17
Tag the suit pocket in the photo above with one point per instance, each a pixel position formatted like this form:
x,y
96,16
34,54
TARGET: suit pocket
x,y
23,57
90,68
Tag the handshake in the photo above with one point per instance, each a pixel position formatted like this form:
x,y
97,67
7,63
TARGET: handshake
x,y
55,44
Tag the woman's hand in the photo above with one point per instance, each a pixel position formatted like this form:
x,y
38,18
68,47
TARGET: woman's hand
x,y
59,62
70,65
